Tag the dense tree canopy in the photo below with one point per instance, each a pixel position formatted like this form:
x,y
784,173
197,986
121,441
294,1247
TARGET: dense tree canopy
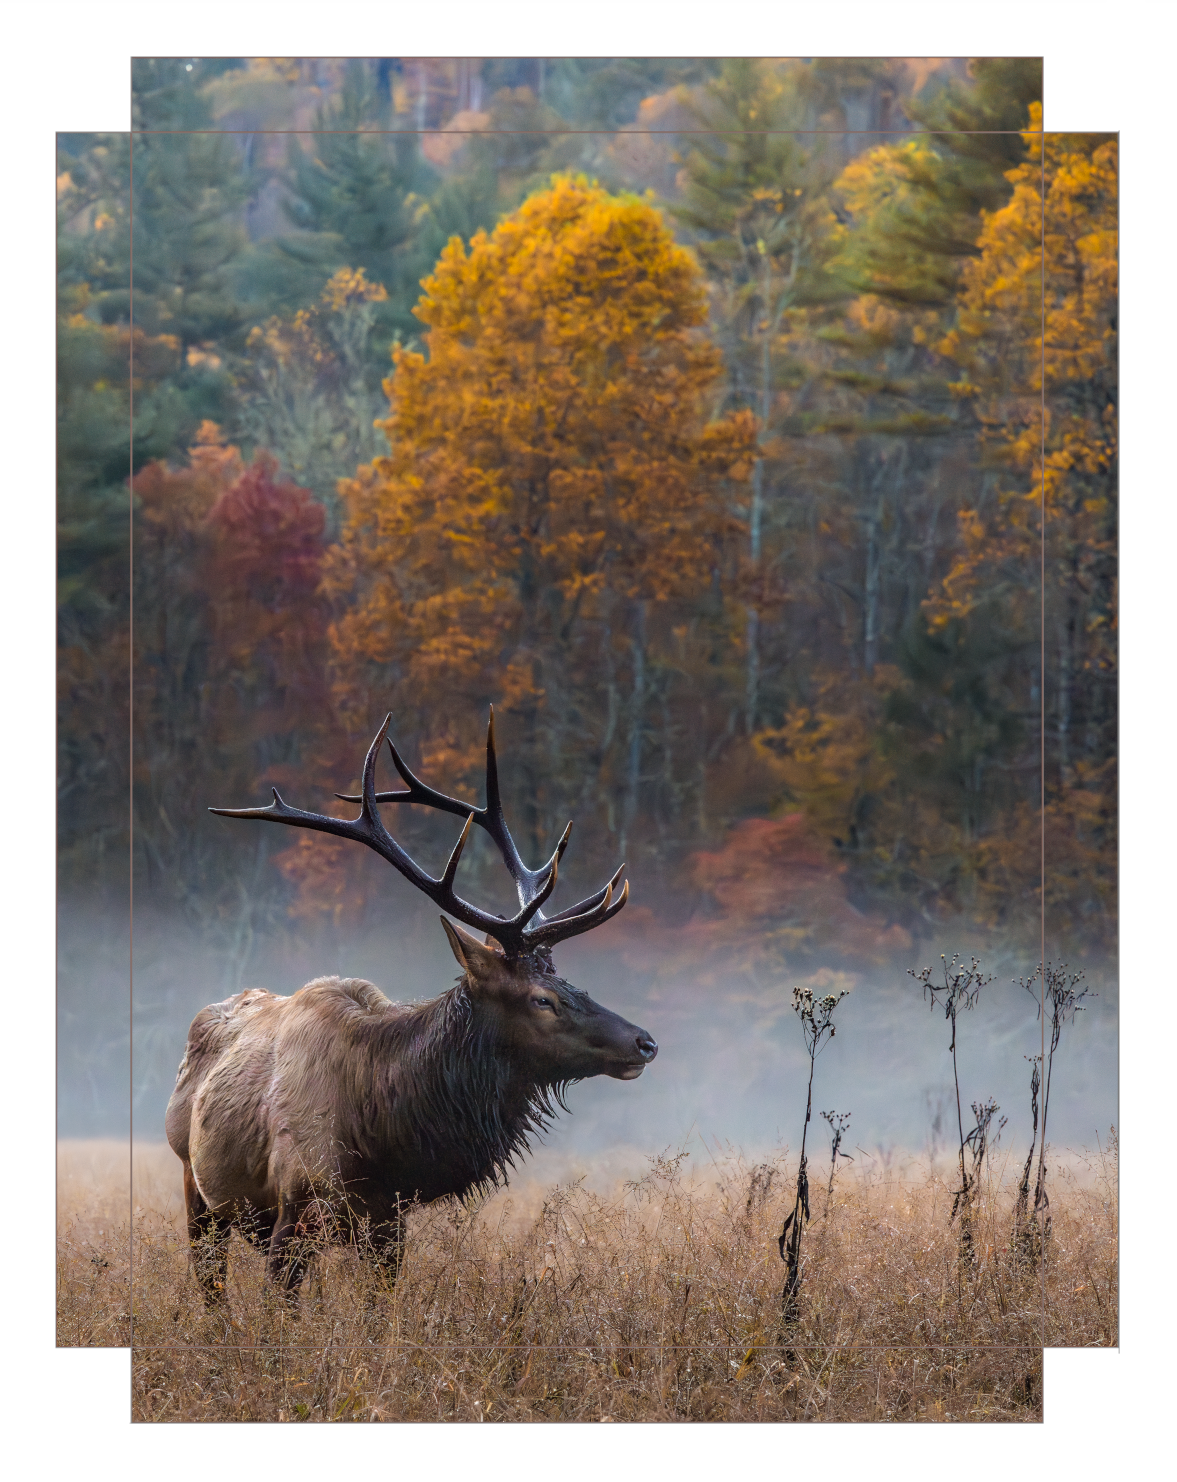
x,y
728,498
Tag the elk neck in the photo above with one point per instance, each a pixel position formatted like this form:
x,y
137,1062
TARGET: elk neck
x,y
455,1099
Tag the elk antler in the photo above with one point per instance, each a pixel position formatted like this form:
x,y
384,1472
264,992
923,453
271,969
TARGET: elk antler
x,y
528,928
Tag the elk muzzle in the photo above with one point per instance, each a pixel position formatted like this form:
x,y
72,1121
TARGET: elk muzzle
x,y
639,1047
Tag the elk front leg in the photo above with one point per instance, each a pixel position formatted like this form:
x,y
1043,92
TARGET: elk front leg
x,y
286,1261
209,1237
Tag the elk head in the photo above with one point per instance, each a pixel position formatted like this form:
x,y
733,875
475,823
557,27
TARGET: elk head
x,y
548,1025
557,1031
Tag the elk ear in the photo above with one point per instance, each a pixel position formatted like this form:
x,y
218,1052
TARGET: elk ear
x,y
477,960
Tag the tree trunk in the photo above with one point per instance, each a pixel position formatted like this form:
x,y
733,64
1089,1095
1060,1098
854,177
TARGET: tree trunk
x,y
636,710
756,511
752,678
1064,699
422,95
870,605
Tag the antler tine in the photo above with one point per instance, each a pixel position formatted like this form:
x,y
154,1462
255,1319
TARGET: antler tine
x,y
528,928
415,783
276,810
368,782
451,869
494,803
590,903
533,906
280,811
369,829
527,882
419,792
552,932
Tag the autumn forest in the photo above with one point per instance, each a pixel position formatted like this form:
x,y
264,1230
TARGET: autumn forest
x,y
702,417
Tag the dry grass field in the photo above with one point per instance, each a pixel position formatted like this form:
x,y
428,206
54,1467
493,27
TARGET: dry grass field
x,y
93,1244
659,1300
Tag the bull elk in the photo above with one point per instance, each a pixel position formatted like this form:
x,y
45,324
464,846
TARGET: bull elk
x,y
336,1098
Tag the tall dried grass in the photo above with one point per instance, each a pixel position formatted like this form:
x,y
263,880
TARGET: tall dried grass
x,y
93,1244
660,1300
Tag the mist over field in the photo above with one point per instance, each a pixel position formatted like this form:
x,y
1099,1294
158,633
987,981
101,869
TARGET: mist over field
x,y
730,1068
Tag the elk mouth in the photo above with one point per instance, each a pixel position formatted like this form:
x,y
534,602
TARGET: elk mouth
x,y
629,1070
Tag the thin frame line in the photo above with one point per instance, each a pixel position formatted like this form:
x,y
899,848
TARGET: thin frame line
x,y
590,133
1042,693
147,1348
131,731
558,133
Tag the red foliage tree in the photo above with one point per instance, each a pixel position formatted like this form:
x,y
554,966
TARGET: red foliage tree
x,y
230,678
263,566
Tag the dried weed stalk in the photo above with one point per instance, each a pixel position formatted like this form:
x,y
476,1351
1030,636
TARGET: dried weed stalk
x,y
1023,1236
838,1121
978,1142
956,995
817,1026
1063,992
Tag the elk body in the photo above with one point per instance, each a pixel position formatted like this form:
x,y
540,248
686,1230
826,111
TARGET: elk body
x,y
326,1113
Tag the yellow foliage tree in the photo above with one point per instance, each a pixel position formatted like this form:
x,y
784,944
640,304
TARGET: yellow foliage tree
x,y
1038,363
554,510
827,758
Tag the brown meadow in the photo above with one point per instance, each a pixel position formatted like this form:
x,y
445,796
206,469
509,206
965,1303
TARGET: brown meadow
x,y
656,1300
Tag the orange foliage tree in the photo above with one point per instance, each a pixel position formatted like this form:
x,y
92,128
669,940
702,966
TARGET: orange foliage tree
x,y
782,893
553,529
1044,389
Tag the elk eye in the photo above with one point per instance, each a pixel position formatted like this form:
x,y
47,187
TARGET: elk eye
x,y
543,1003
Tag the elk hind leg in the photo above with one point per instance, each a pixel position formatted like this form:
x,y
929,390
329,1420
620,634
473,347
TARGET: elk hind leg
x,y
257,1226
209,1238
288,1255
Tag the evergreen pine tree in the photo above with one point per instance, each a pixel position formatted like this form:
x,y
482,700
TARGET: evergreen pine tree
x,y
917,202
189,189
356,196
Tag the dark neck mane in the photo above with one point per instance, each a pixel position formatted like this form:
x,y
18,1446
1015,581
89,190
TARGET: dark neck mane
x,y
465,1106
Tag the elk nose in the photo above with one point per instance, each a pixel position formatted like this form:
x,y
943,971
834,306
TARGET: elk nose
x,y
647,1047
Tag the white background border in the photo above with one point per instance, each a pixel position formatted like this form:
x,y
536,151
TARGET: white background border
x,y
67,67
